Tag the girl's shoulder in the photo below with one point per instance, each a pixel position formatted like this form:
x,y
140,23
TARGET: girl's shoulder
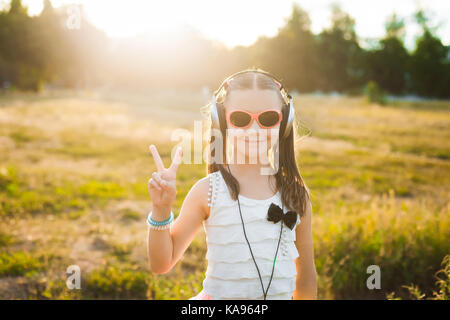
x,y
199,192
206,191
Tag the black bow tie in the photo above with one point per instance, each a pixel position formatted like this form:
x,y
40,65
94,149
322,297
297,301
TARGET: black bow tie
x,y
275,214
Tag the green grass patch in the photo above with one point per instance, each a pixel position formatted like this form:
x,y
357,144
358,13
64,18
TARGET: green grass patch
x,y
18,264
424,150
114,282
101,190
22,134
6,239
76,145
129,214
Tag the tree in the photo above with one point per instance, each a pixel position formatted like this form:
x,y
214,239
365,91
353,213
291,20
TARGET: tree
x,y
388,64
17,44
291,53
429,66
16,7
339,53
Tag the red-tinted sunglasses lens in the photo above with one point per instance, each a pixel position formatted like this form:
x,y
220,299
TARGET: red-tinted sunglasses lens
x,y
269,118
240,119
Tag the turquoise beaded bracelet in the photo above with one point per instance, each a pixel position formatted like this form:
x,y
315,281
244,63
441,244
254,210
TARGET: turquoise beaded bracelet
x,y
159,224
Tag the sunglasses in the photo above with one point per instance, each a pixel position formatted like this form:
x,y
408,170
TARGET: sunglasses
x,y
243,119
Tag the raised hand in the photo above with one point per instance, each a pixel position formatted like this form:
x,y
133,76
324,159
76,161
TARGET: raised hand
x,y
162,185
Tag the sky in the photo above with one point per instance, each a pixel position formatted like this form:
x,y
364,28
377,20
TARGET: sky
x,y
241,22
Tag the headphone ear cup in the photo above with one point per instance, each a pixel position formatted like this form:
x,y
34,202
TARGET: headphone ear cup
x,y
290,120
215,121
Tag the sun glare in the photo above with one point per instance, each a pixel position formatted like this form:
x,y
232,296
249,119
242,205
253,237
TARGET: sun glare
x,y
238,22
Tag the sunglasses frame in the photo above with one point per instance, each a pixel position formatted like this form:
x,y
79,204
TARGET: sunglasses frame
x,y
254,116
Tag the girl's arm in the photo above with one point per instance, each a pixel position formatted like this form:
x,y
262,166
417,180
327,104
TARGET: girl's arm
x,y
166,247
306,270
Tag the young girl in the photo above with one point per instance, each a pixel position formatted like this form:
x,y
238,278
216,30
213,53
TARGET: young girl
x,y
255,250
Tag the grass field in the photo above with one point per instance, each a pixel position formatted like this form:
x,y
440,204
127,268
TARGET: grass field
x,y
73,191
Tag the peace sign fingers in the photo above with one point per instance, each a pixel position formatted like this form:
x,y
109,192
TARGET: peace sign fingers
x,y
157,158
162,186
176,160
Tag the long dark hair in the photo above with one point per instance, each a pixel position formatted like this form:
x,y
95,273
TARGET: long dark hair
x,y
294,189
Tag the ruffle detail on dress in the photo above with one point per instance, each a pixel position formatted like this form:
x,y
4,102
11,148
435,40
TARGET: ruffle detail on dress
x,y
258,230
281,296
225,199
202,295
231,272
223,203
220,186
246,288
239,252
247,269
225,211
231,216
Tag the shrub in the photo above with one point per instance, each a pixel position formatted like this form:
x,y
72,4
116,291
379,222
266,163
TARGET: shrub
x,y
18,264
443,284
406,241
374,93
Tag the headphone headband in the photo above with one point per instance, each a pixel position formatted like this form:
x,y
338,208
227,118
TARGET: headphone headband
x,y
215,115
231,77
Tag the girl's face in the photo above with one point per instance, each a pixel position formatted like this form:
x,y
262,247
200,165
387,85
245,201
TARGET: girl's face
x,y
254,140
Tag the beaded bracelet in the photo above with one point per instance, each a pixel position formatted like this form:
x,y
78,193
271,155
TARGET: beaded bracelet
x,y
159,225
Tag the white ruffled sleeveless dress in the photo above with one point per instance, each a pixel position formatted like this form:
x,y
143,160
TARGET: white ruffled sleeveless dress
x,y
231,273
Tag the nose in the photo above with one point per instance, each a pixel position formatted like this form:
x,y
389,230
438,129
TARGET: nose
x,y
255,131
255,126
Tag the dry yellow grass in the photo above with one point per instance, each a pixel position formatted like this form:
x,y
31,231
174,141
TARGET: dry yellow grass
x,y
73,190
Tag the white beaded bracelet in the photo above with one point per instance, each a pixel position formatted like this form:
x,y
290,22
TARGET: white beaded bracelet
x,y
164,227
